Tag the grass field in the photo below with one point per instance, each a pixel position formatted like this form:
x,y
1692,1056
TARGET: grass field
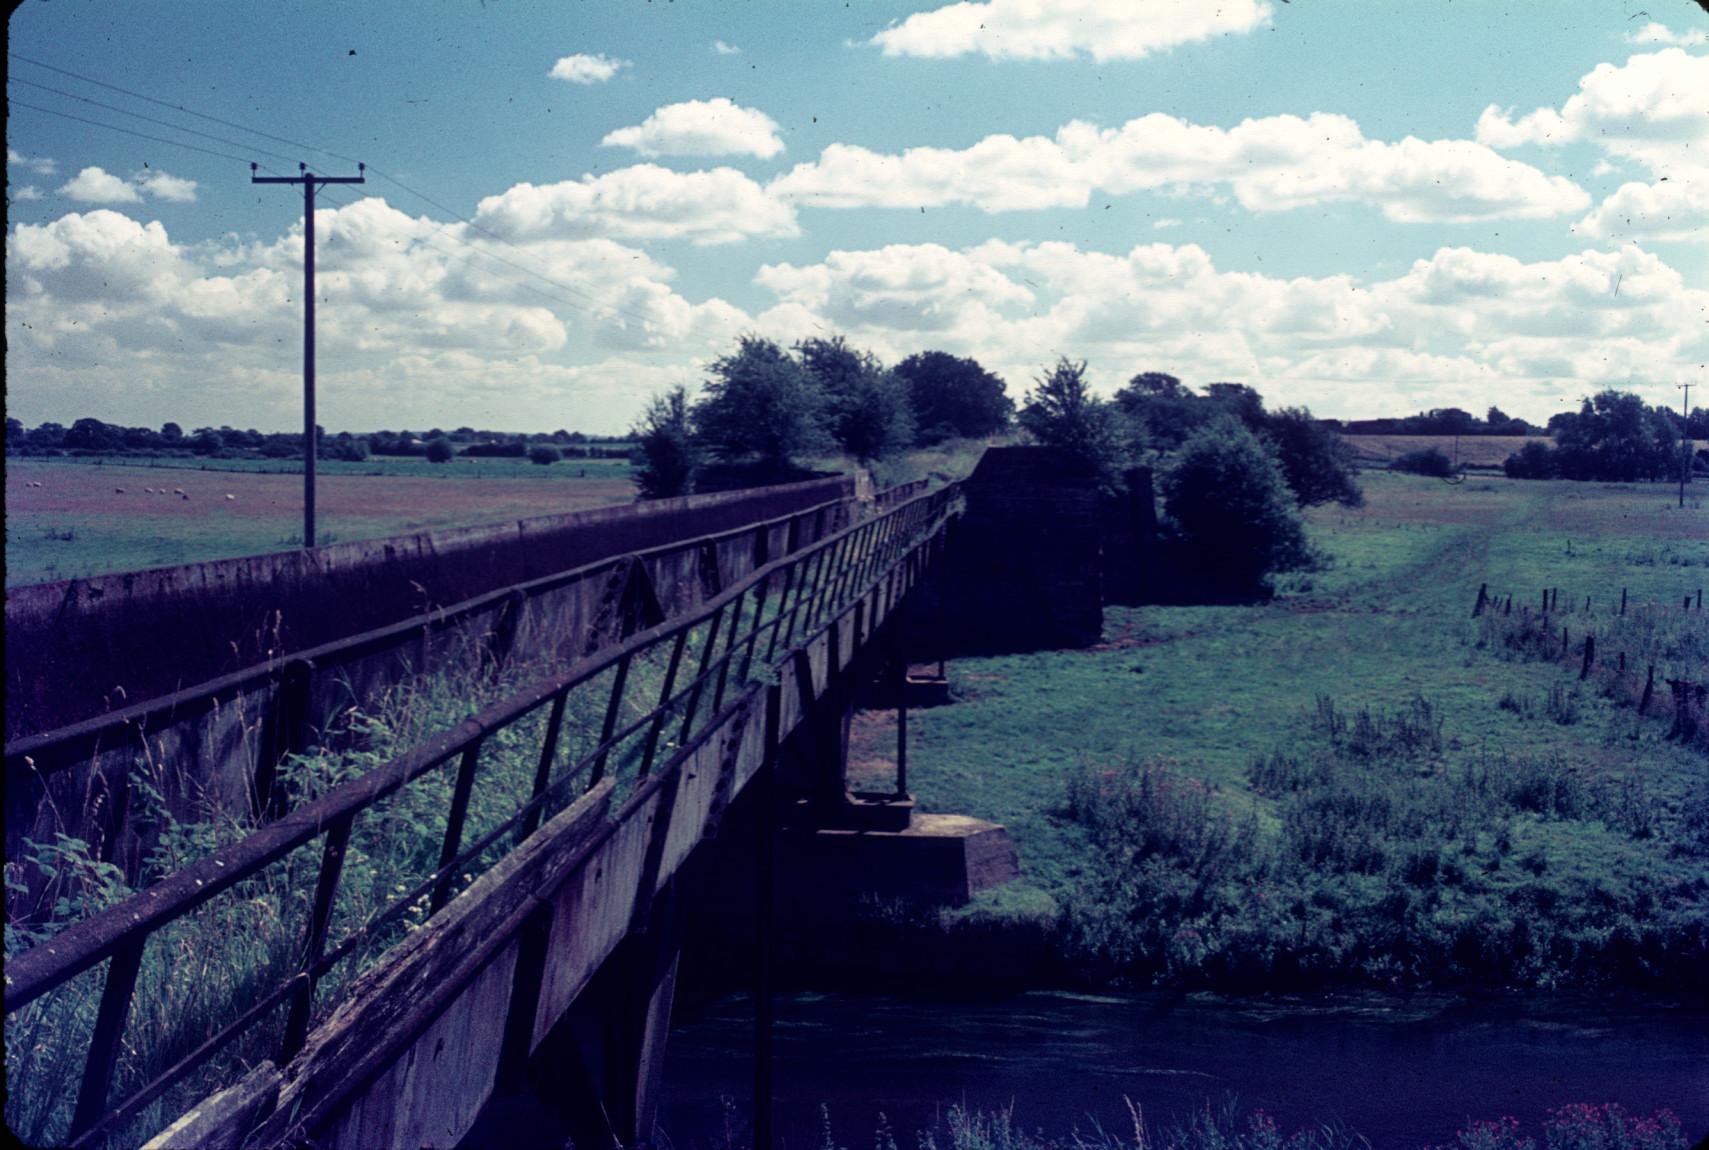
x,y
78,523
1195,701
1471,450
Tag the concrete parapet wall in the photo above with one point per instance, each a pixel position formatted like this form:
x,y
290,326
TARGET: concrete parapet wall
x,y
79,648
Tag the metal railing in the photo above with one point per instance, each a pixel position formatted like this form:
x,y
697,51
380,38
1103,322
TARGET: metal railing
x,y
695,662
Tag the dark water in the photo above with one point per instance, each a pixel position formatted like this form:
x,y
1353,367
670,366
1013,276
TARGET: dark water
x,y
1404,1073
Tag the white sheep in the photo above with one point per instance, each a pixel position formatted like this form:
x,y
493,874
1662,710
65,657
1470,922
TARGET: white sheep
x,y
179,491
229,495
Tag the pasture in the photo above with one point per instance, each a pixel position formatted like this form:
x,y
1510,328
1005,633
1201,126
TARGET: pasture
x,y
1359,739
78,523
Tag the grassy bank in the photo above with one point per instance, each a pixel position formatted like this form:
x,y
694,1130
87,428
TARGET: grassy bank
x,y
1358,781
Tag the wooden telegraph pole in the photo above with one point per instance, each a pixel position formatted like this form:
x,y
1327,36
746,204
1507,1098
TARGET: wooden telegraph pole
x,y
1685,445
308,180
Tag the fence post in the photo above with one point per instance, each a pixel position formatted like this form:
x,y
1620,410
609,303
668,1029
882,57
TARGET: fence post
x,y
1622,600
1483,599
1649,690
1589,657
109,1030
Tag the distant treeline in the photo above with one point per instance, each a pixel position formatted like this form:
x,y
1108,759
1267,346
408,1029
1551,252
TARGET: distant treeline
x,y
95,437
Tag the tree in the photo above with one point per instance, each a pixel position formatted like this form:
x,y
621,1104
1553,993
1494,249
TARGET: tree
x,y
762,405
1164,410
207,441
665,446
866,404
14,432
1316,462
439,450
1228,509
171,432
1533,461
93,435
544,454
1062,412
953,397
1615,437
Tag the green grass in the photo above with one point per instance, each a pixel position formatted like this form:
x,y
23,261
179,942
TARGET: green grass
x,y
1205,691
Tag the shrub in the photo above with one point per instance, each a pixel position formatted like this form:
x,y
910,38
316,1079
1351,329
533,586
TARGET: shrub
x,y
1425,461
544,455
440,451
1230,511
1062,412
1317,463
1533,461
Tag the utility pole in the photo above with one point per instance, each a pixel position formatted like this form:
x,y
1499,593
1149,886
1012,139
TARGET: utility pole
x,y
1685,441
308,180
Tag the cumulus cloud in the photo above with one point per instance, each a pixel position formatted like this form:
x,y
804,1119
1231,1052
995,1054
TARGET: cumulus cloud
x,y
95,186
1062,29
1461,327
27,192
723,49
1654,33
165,187
585,69
717,127
40,165
644,202
1670,210
1650,109
1275,163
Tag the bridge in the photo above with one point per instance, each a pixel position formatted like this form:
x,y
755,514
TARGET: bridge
x,y
562,813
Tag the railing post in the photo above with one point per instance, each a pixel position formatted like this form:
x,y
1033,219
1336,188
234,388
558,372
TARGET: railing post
x,y
664,701
612,706
764,910
109,1030
543,769
320,916
454,824
693,703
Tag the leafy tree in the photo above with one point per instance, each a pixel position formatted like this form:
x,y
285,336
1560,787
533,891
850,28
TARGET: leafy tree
x,y
47,435
1238,400
762,405
439,450
207,441
867,405
665,446
1316,462
1062,412
1164,409
951,397
1228,508
14,431
1616,437
93,435
171,432
544,455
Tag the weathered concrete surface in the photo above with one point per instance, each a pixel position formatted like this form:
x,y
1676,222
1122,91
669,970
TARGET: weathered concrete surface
x,y
940,859
81,647
1022,568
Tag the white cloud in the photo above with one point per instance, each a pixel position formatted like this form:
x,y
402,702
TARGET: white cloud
x,y
40,165
165,187
717,127
644,202
27,192
1650,109
1061,29
1665,210
1654,33
1462,327
724,49
1272,164
95,186
1165,223
585,69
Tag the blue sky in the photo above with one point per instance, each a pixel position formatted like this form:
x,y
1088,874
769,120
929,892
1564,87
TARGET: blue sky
x,y
1365,207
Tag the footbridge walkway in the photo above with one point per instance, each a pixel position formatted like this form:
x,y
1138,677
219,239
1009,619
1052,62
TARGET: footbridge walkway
x,y
364,1021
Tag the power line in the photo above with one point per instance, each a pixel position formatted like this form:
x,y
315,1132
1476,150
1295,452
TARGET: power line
x,y
591,299
151,119
127,131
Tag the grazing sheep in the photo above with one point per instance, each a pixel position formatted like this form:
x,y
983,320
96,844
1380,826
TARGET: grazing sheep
x,y
229,495
118,490
148,490
179,491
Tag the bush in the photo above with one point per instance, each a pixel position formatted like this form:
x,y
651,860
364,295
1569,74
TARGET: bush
x,y
1426,461
1533,461
1230,511
543,455
1317,463
440,451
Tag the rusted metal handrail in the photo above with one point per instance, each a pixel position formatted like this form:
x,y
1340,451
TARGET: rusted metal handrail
x,y
873,548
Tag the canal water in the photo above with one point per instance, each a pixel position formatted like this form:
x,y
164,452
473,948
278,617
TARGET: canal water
x,y
1405,1073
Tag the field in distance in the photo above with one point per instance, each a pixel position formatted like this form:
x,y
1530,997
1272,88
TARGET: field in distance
x,y
78,523
1475,450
